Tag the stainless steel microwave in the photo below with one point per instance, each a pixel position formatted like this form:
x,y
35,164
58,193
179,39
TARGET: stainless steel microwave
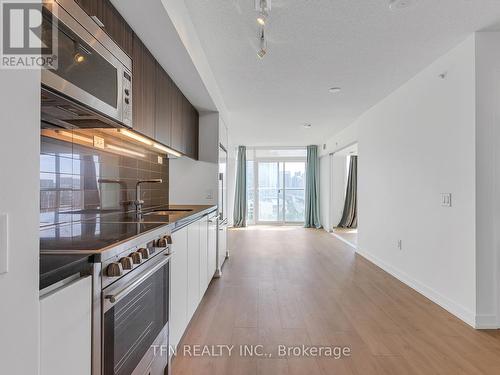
x,y
92,70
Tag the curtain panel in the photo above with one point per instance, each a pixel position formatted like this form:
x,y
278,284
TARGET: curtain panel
x,y
240,197
350,214
311,219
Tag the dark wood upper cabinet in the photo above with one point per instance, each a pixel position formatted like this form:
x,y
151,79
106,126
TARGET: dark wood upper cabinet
x,y
177,136
143,89
160,110
191,138
114,24
163,119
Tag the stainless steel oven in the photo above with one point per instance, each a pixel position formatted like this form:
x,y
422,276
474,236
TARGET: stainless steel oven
x,y
91,69
135,319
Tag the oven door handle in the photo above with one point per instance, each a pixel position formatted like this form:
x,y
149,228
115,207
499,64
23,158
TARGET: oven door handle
x,y
115,297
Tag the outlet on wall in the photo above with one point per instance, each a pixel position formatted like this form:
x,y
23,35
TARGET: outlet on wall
x,y
400,244
445,199
209,194
98,142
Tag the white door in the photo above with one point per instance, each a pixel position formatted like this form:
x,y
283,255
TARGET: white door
x,y
178,286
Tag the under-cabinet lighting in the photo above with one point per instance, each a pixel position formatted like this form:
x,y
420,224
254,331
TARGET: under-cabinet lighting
x,y
75,136
125,150
135,136
167,150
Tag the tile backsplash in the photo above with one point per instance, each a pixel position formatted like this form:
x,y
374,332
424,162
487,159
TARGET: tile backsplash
x,y
77,181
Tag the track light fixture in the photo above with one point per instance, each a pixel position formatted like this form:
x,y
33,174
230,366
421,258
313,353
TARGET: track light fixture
x,y
262,18
262,45
262,7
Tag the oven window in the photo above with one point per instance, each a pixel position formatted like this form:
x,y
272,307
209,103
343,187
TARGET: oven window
x,y
81,65
134,322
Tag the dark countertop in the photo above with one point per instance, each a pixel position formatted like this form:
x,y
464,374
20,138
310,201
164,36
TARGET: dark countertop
x,y
72,247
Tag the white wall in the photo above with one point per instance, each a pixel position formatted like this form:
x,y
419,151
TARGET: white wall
x,y
192,181
414,145
339,179
487,178
333,176
325,185
19,198
341,140
231,182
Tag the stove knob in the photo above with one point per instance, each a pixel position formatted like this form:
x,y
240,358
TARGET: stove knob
x,y
127,263
114,270
164,241
136,257
144,252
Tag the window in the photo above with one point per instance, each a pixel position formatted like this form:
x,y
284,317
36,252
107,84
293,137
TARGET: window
x,y
276,185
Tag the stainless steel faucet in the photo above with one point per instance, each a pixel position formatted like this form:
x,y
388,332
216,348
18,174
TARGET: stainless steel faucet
x,y
138,201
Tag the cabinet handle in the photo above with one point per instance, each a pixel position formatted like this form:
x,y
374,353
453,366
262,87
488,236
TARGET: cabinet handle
x,y
113,298
98,21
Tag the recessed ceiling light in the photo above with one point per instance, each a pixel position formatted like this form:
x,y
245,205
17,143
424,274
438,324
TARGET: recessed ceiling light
x,y
307,125
400,4
334,90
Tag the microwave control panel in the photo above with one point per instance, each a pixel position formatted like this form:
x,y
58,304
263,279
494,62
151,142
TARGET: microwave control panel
x,y
127,99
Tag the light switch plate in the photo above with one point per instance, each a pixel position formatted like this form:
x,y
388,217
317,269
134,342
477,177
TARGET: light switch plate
x,y
445,199
4,243
160,160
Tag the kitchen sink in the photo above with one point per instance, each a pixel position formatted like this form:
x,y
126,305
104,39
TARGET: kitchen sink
x,y
175,211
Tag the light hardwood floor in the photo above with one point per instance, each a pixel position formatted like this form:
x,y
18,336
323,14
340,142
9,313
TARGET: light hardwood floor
x,y
294,286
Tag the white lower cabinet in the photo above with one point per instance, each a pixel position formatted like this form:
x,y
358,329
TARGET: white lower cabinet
x,y
66,329
178,319
203,256
191,271
212,247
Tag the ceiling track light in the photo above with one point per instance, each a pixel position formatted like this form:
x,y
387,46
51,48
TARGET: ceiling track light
x,y
262,45
262,18
262,7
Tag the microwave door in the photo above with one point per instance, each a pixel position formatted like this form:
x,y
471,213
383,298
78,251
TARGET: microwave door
x,y
86,71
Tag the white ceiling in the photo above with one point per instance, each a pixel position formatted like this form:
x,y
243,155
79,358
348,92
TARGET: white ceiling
x,y
360,45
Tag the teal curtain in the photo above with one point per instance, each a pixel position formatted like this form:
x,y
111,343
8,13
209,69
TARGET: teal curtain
x,y
240,197
312,189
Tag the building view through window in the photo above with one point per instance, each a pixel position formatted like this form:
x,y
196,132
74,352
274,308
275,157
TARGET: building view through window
x,y
276,185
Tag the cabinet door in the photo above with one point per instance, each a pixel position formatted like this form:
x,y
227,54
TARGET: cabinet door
x,y
193,272
212,248
178,286
114,24
222,244
203,255
177,125
191,130
66,329
163,120
144,89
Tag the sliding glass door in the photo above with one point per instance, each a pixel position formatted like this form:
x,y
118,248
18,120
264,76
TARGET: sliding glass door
x,y
279,188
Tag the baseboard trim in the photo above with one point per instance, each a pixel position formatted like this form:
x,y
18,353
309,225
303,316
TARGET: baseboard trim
x,y
459,311
344,240
487,322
